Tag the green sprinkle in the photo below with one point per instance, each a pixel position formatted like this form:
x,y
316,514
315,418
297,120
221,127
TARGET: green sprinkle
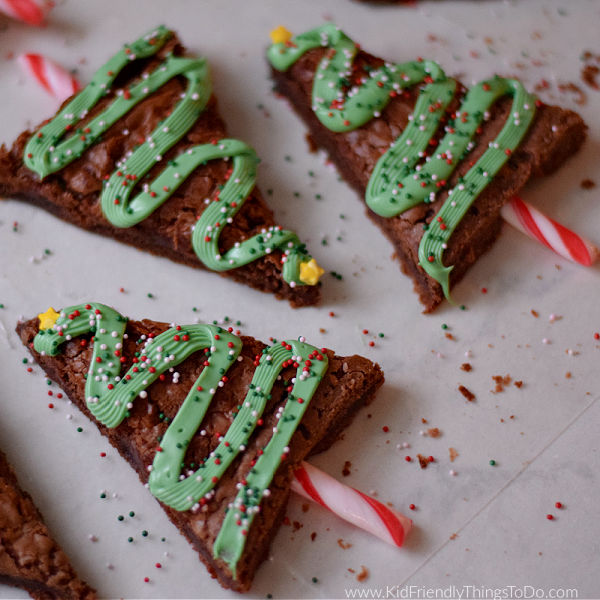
x,y
102,495
25,361
492,463
79,429
381,335
130,539
318,196
269,596
47,252
288,158
194,309
315,580
131,513
145,533
311,173
150,295
120,518
48,382
1,305
296,194
463,307
342,216
324,242
444,326
269,192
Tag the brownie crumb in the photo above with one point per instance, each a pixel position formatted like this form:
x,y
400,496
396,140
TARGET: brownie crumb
x,y
518,384
343,545
587,184
454,536
589,74
450,336
424,421
500,382
466,367
313,536
423,461
453,454
305,507
363,575
568,375
580,95
467,393
346,470
535,313
297,525
434,432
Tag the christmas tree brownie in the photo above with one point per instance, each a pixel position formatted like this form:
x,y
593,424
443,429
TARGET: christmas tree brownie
x,y
141,155
218,449
435,162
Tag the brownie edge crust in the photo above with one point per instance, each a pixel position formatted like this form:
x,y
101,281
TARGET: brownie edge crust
x,y
29,557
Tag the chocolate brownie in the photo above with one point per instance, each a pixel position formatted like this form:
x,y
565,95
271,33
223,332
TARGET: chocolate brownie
x,y
314,395
29,556
163,176
373,111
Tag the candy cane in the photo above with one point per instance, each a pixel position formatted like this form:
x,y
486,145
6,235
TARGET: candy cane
x,y
350,504
555,236
28,11
51,76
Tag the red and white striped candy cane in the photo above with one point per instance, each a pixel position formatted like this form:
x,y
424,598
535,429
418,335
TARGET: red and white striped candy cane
x,y
50,75
547,231
350,504
28,11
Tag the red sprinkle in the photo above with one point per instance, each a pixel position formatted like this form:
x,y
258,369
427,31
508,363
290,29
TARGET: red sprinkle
x,y
558,505
412,507
484,290
385,428
50,405
550,517
407,458
102,454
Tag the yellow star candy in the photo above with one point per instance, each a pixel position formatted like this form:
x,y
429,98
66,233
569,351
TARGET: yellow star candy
x,y
310,272
280,35
48,318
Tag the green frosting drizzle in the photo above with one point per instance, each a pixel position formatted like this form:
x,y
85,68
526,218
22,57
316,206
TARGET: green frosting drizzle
x,y
109,396
51,149
406,175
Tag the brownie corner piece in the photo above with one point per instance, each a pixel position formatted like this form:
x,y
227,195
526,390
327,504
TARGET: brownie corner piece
x,y
29,557
142,155
434,161
217,450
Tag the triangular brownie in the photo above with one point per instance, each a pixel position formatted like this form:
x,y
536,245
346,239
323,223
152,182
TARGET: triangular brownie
x,y
434,162
29,556
218,448
142,155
